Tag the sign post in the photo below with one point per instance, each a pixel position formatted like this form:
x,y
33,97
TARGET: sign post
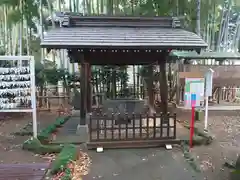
x,y
193,86
208,92
194,94
193,104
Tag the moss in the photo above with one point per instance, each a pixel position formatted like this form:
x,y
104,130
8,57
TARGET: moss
x,y
235,169
198,115
197,140
67,174
235,175
189,158
45,133
200,137
68,154
238,164
35,146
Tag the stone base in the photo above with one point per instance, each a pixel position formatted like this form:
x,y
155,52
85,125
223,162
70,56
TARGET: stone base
x,y
82,131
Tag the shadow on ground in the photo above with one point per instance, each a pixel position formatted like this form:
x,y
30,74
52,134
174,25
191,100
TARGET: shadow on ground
x,y
136,164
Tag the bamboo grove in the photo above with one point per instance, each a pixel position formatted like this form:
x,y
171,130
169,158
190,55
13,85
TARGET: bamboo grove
x,y
23,22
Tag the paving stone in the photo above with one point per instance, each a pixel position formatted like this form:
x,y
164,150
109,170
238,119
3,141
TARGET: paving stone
x,y
135,164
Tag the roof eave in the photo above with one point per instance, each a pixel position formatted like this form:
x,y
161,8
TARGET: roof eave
x,y
180,47
210,55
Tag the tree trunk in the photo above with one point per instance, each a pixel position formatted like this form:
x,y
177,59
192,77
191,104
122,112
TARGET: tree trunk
x,y
109,7
198,28
163,86
41,95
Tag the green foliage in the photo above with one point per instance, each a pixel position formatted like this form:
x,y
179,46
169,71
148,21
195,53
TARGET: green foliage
x,y
105,74
52,75
189,157
200,137
144,72
35,146
39,75
44,134
67,174
69,153
29,11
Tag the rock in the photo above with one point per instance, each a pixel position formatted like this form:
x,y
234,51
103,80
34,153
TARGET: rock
x,y
238,164
235,175
198,132
197,140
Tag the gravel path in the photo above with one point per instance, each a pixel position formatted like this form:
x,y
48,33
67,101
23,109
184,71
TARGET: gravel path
x,y
225,148
11,146
135,164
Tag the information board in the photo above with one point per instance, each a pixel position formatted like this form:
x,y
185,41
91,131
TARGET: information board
x,y
194,86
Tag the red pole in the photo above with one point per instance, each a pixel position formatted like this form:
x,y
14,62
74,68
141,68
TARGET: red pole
x,y
192,127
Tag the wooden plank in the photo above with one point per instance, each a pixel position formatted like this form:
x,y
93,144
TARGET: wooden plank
x,y
183,75
23,171
132,144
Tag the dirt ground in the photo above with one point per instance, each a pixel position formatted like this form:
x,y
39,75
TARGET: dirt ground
x,y
11,146
224,126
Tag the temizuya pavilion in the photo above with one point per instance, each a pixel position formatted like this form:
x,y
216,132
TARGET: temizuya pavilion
x,y
119,41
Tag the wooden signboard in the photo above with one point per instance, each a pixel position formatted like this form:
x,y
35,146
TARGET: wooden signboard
x,y
183,75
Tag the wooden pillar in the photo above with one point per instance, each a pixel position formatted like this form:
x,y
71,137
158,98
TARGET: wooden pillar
x,y
83,91
113,85
219,94
88,88
170,81
163,84
180,67
150,88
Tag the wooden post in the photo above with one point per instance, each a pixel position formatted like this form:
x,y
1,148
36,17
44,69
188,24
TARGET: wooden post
x,y
163,85
83,94
88,88
113,83
178,91
219,94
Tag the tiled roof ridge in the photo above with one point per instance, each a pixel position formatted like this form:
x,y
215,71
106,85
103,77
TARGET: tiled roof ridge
x,y
120,21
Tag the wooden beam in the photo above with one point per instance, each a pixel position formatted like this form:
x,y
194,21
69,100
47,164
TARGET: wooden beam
x,y
120,58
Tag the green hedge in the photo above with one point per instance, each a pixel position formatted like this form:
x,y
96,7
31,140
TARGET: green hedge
x,y
35,146
200,137
69,153
189,158
44,134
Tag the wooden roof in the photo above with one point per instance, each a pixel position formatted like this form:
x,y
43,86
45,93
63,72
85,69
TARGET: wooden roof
x,y
86,32
204,55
